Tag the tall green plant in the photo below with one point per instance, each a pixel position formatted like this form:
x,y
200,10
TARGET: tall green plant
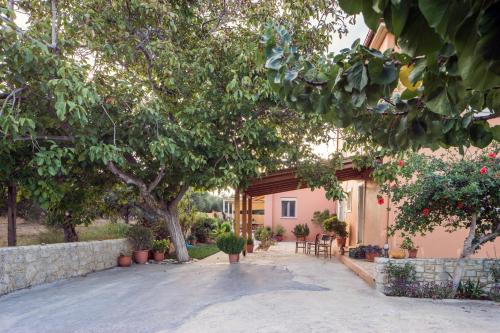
x,y
230,243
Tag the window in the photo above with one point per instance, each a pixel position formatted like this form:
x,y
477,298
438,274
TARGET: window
x,y
288,207
228,207
349,200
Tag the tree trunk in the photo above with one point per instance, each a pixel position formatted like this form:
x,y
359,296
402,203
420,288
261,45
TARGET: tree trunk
x,y
11,214
467,251
174,228
70,234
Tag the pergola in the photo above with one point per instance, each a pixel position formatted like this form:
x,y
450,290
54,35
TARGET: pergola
x,y
281,181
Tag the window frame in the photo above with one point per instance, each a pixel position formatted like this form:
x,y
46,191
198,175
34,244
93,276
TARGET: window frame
x,y
348,201
281,208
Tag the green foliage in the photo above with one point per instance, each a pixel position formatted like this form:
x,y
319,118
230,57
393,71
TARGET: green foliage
x,y
471,290
263,233
407,244
301,230
447,191
397,273
319,217
202,251
220,228
206,202
332,224
495,272
280,230
160,245
140,237
448,48
230,243
202,227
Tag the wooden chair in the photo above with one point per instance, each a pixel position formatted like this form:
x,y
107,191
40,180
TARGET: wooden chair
x,y
315,243
300,243
325,246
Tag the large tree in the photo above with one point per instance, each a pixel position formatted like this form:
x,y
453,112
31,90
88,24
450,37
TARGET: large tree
x,y
162,95
448,66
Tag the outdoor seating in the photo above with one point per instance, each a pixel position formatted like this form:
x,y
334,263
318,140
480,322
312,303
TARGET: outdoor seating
x,y
311,244
300,243
325,246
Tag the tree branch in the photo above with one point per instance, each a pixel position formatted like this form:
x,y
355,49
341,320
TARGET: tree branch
x,y
127,178
179,196
158,179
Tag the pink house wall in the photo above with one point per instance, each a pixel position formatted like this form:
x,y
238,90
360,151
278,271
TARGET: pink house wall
x,y
307,202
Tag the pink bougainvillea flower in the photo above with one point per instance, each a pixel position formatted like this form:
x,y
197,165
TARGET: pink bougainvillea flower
x,y
401,163
380,200
483,170
426,212
460,205
492,155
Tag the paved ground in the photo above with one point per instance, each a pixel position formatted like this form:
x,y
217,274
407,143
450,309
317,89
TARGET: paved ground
x,y
276,291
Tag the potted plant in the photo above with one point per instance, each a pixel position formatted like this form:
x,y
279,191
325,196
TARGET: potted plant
x,y
141,238
280,231
232,245
250,245
372,251
125,259
192,239
301,231
340,230
410,247
159,248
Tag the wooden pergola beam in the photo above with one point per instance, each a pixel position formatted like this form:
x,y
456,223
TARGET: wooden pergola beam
x,y
249,219
244,217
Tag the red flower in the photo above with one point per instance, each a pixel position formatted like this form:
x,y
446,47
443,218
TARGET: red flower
x,y
460,205
401,163
426,211
492,155
380,200
483,170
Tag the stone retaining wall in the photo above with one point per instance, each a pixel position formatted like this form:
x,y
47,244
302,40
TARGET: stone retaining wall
x,y
437,270
26,266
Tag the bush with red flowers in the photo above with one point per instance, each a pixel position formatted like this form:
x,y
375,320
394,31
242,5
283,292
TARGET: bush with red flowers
x,y
458,193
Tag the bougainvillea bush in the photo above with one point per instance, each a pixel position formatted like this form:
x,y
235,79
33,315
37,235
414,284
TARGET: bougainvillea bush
x,y
452,191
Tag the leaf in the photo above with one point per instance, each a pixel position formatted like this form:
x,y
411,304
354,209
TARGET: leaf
x,y
382,72
480,134
291,75
399,15
435,12
417,38
357,77
351,7
372,19
439,102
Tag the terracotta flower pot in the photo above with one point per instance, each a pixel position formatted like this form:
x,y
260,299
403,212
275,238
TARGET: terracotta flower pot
x,y
279,238
141,257
370,256
341,241
234,258
250,248
124,261
412,253
159,256
192,242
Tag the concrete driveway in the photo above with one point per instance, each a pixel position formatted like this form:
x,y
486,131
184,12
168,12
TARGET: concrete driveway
x,y
275,291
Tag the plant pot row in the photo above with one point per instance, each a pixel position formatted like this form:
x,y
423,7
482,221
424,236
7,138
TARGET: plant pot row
x,y
140,257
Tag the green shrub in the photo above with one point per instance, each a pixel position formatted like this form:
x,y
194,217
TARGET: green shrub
x,y
161,245
280,230
230,243
140,237
301,230
319,217
471,290
259,233
339,228
408,244
220,228
202,227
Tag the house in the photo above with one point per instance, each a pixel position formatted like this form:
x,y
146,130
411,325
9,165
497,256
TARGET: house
x,y
287,203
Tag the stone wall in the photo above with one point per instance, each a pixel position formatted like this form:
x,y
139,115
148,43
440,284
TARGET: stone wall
x,y
437,270
26,266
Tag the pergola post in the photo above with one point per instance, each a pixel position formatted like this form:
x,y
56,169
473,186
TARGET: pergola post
x,y
244,217
249,219
237,212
